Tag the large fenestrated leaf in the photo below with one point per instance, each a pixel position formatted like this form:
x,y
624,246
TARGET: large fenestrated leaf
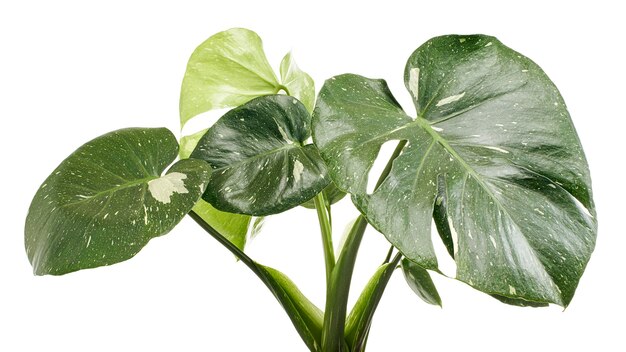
x,y
493,133
260,162
227,70
108,199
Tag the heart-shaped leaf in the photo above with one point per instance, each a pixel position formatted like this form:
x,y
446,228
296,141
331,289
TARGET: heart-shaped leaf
x,y
227,70
108,199
491,131
260,163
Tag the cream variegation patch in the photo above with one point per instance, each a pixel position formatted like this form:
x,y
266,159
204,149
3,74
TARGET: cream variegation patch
x,y
164,187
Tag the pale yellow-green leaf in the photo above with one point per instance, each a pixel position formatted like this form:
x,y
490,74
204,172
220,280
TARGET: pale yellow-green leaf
x,y
227,70
298,83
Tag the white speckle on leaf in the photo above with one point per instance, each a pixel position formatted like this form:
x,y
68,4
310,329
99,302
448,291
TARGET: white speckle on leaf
x,y
145,216
414,81
88,242
455,237
450,99
582,207
298,169
539,211
488,44
512,290
438,129
164,187
551,185
497,149
493,241
283,134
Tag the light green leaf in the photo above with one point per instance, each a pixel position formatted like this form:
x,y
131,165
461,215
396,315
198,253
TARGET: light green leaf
x,y
227,70
420,282
299,84
188,143
108,199
233,226
493,132
261,165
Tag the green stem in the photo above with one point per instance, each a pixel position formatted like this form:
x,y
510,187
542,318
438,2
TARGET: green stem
x,y
323,216
388,258
339,288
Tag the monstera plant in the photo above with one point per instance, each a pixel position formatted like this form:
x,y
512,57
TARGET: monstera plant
x,y
490,154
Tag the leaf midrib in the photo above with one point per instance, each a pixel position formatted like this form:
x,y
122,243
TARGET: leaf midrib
x,y
426,126
113,189
285,147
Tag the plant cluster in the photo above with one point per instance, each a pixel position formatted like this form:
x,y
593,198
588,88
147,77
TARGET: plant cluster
x,y
490,154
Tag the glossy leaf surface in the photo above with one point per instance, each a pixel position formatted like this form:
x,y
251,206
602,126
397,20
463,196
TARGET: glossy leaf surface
x,y
420,282
108,199
493,132
227,70
261,165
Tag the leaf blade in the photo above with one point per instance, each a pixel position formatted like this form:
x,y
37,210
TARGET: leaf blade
x,y
261,165
226,70
108,199
482,130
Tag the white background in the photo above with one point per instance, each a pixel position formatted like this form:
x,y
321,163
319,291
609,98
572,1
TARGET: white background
x,y
70,71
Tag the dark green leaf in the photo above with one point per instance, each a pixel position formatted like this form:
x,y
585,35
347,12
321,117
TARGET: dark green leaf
x,y
108,199
494,130
420,282
261,165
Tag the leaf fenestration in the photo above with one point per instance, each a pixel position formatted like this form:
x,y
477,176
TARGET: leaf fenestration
x,y
493,133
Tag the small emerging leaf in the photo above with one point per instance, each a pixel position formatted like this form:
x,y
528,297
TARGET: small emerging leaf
x,y
298,82
108,199
261,165
420,282
360,318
